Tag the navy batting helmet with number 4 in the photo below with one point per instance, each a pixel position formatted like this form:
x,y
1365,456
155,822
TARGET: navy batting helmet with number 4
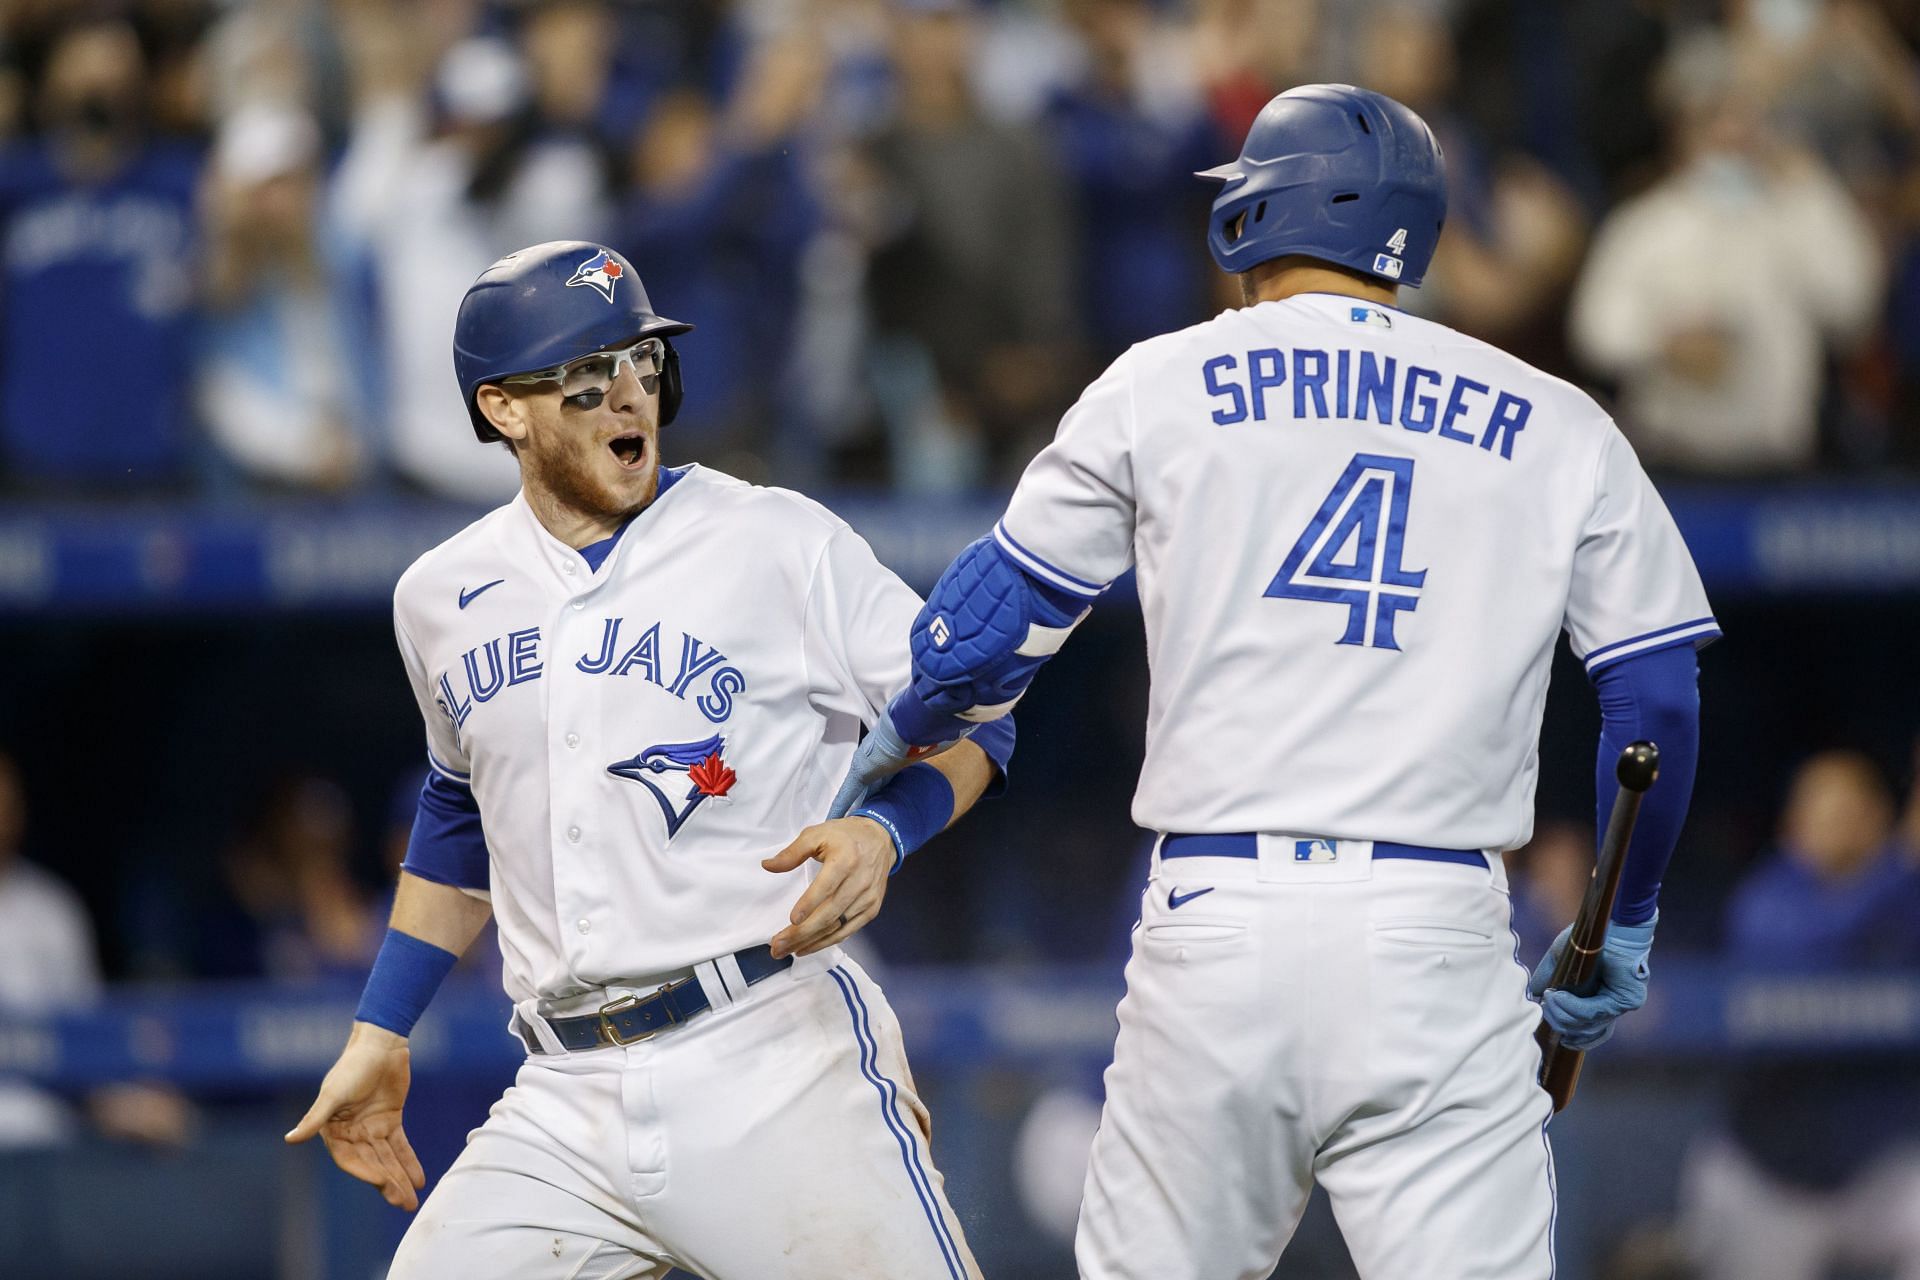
x,y
1336,173
551,303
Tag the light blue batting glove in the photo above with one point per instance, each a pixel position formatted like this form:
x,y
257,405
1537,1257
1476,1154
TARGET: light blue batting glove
x,y
880,755
907,731
1583,1022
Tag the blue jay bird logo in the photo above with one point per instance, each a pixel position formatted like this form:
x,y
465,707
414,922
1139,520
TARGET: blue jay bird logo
x,y
701,762
600,272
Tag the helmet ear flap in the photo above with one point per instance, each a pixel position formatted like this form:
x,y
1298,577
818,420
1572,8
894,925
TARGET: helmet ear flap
x,y
669,384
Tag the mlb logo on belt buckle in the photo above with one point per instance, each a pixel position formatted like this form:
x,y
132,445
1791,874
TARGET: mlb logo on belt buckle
x,y
1314,851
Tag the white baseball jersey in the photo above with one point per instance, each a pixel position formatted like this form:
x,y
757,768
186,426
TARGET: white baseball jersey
x,y
640,736
1358,535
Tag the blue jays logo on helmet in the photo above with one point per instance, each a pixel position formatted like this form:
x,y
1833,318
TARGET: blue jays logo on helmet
x,y
702,763
601,272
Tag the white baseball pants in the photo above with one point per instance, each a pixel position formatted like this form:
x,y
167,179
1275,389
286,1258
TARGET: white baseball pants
x,y
779,1138
1361,1024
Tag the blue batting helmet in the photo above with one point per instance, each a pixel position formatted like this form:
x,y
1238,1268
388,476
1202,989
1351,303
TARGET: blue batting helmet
x,y
549,304
1344,175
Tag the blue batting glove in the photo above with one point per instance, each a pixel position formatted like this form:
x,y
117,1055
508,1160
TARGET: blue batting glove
x,y
1585,1021
908,731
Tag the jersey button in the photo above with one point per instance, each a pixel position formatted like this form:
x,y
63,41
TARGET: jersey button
x,y
584,926
579,604
573,834
567,569
573,740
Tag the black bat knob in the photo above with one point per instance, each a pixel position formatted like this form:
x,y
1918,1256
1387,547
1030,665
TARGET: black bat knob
x,y
1639,766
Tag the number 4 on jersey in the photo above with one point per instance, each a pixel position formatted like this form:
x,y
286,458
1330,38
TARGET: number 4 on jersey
x,y
1350,551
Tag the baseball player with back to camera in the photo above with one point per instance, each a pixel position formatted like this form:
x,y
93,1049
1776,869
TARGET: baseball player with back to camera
x,y
639,683
1358,535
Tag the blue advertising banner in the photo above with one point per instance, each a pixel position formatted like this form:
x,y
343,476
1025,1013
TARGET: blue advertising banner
x,y
244,1036
1802,540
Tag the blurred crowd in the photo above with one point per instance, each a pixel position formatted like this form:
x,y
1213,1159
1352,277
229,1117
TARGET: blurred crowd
x,y
909,230
289,901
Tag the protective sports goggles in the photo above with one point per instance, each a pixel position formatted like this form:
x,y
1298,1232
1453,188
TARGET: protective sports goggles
x,y
590,377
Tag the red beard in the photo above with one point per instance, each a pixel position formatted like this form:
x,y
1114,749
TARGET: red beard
x,y
566,472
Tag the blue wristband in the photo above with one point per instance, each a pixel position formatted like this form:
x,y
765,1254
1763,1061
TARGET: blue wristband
x,y
405,975
914,807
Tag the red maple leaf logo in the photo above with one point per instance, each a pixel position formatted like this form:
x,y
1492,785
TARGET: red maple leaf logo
x,y
611,270
712,776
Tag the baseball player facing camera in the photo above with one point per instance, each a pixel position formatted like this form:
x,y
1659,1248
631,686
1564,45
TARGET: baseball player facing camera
x,y
639,682
1358,536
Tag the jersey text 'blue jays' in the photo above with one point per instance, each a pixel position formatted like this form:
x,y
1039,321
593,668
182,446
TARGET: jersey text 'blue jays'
x,y
487,669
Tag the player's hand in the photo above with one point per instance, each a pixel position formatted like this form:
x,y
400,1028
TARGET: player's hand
x,y
1583,1022
856,856
358,1115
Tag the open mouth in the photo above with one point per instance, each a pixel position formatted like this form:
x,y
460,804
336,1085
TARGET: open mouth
x,y
629,451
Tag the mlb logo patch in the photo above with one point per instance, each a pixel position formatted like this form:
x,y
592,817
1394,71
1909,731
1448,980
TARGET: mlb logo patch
x,y
1387,265
1367,315
599,273
1314,851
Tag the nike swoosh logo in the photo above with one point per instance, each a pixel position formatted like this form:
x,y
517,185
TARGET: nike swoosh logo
x,y
1177,899
468,597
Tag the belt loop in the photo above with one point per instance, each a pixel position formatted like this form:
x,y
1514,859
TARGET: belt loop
x,y
527,1014
731,975
715,985
1497,865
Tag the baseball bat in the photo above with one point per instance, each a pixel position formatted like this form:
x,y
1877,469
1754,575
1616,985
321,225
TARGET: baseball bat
x,y
1577,970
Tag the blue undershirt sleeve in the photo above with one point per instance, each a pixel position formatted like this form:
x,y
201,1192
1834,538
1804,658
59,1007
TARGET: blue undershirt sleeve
x,y
1653,695
448,845
996,738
